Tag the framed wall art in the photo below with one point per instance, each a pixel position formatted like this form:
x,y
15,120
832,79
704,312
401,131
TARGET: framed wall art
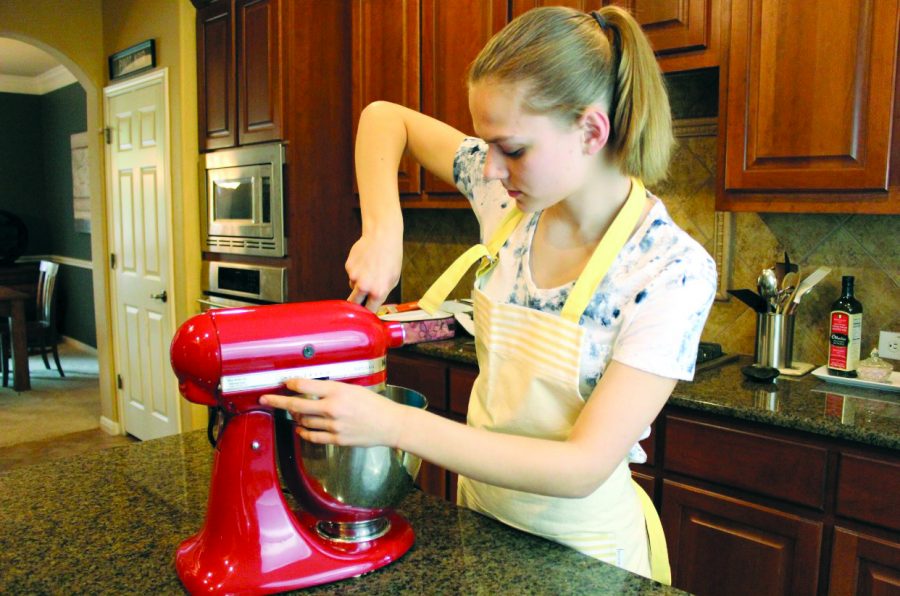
x,y
133,60
81,190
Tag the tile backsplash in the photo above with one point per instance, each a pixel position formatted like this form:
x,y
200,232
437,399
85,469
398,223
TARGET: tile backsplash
x,y
865,246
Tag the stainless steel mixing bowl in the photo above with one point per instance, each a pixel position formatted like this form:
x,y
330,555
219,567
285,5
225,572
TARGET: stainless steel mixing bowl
x,y
365,477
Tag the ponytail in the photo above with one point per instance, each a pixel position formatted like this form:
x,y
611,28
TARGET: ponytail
x,y
571,60
641,117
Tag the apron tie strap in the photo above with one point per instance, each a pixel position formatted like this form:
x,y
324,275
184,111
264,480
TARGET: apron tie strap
x,y
659,554
449,279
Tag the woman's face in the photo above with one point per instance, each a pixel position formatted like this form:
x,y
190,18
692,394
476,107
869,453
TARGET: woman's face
x,y
539,159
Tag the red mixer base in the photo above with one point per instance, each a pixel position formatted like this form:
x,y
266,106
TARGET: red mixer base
x,y
251,541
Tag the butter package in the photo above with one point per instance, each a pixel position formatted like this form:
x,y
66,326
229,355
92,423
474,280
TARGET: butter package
x,y
420,326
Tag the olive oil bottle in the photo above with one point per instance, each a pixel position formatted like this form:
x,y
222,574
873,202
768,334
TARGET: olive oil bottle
x,y
845,332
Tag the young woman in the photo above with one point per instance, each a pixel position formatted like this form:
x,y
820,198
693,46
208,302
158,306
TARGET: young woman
x,y
590,300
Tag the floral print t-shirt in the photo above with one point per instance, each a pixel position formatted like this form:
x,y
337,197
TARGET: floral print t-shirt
x,y
647,312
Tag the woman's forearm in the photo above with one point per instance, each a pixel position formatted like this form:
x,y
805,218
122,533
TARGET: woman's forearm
x,y
541,466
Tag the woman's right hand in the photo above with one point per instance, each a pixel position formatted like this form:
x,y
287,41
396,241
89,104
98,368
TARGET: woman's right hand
x,y
385,132
373,268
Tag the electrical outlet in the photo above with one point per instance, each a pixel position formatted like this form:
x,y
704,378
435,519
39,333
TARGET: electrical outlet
x,y
889,344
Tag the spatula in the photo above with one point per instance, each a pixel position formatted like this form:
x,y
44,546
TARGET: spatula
x,y
805,286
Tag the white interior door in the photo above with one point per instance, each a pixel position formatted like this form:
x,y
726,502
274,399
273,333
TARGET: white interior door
x,y
139,205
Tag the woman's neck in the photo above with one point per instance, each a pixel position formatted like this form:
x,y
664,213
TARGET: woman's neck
x,y
569,231
586,216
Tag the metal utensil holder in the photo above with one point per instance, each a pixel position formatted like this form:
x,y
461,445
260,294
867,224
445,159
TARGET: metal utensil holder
x,y
774,340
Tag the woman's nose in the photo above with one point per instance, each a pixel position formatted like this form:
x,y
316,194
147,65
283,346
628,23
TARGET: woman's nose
x,y
494,167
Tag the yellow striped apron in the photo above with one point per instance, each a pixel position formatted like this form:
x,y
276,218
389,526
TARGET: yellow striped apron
x,y
528,385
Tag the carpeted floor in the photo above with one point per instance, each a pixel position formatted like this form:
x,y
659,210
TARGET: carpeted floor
x,y
59,417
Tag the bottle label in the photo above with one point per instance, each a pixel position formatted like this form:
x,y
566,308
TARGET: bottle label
x,y
844,340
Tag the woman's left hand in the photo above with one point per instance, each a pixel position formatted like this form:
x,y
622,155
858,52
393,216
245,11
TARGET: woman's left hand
x,y
339,413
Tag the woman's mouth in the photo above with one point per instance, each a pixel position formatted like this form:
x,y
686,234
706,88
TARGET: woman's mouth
x,y
515,194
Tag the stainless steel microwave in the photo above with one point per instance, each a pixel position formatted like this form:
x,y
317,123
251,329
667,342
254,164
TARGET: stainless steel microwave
x,y
244,201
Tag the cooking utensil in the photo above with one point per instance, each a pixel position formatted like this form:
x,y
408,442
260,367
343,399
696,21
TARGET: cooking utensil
x,y
751,299
805,286
767,284
790,279
784,298
783,269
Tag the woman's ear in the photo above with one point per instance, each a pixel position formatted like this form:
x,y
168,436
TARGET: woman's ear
x,y
596,126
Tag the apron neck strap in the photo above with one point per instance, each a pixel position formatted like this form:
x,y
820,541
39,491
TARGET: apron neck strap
x,y
436,294
606,252
594,272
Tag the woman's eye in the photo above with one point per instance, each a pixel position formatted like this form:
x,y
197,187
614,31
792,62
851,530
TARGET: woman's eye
x,y
517,153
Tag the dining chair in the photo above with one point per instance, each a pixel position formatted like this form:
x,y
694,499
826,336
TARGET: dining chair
x,y
41,331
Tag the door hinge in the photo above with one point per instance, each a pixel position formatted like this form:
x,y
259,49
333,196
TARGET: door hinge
x,y
112,260
119,382
107,134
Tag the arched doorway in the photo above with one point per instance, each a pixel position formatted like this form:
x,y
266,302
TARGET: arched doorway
x,y
109,419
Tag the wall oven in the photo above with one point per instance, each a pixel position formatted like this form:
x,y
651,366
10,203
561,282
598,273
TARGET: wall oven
x,y
244,201
227,285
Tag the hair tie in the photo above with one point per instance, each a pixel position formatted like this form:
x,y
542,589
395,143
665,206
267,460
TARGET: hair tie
x,y
600,20
616,46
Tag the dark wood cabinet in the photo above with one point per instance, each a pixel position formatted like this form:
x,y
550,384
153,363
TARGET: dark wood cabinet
x,y
775,511
216,76
427,376
260,73
864,565
453,34
808,118
415,53
447,387
685,34
240,79
722,545
751,461
386,65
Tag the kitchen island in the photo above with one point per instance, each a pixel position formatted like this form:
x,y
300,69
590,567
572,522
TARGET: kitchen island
x,y
110,523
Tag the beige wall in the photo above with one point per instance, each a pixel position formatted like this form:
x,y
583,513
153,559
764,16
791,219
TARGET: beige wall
x,y
172,24
82,34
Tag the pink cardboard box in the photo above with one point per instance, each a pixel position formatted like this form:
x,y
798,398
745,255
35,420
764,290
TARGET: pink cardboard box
x,y
419,326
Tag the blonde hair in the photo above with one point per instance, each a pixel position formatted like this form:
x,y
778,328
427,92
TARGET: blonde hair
x,y
570,60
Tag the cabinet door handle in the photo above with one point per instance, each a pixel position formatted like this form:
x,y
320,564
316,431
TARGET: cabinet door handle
x,y
162,296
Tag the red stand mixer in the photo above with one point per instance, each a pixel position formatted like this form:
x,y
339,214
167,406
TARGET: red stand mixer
x,y
252,540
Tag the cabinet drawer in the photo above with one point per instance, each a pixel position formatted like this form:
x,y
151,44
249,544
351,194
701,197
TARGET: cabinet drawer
x,y
858,497
759,463
423,375
461,381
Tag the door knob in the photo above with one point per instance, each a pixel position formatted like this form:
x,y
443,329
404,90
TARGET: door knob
x,y
162,296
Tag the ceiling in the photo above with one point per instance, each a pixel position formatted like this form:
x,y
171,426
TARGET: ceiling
x,y
20,59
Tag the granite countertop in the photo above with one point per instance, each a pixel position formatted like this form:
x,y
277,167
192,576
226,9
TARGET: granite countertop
x,y
110,523
805,403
